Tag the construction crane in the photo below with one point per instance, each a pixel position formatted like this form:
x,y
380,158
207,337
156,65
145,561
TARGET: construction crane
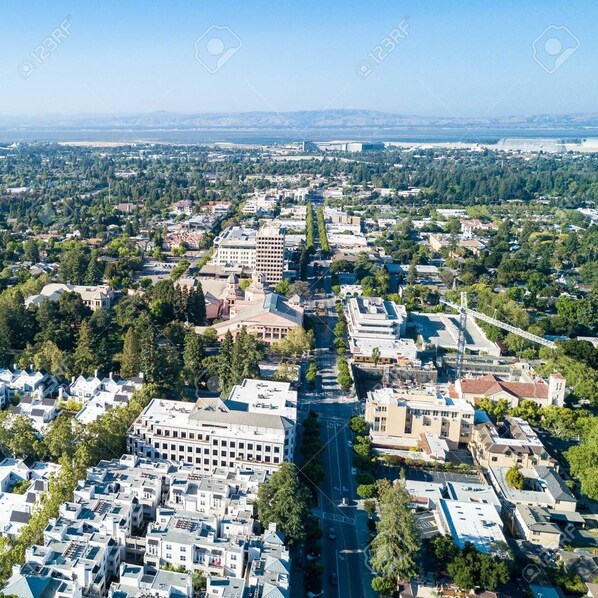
x,y
462,326
465,311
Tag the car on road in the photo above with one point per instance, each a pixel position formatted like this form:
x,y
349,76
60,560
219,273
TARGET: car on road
x,y
333,579
349,444
332,534
353,471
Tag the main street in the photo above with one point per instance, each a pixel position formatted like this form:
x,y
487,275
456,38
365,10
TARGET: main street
x,y
342,556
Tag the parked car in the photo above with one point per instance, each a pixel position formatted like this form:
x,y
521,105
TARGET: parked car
x,y
332,533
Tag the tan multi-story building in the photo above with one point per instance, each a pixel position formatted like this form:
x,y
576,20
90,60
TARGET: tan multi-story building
x,y
515,444
269,253
409,413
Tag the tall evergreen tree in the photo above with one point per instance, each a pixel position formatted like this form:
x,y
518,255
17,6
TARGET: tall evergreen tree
x,y
394,549
148,347
193,354
130,360
284,500
225,360
95,269
196,307
85,358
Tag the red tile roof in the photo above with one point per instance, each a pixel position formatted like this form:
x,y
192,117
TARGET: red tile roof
x,y
491,385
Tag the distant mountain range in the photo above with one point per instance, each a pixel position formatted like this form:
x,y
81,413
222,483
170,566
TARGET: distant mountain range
x,y
307,120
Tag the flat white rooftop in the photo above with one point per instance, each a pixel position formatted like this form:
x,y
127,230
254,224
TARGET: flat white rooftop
x,y
424,397
478,523
266,396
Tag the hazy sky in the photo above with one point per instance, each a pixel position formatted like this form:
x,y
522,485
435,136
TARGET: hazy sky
x,y
458,57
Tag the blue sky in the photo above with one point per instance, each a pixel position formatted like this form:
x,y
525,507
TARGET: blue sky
x,y
459,58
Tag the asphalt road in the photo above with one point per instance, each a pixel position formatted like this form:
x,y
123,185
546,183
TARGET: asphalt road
x,y
343,555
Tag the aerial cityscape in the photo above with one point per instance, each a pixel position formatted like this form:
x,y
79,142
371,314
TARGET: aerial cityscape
x,y
299,300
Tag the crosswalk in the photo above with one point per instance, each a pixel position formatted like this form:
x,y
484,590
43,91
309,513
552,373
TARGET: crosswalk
x,y
337,518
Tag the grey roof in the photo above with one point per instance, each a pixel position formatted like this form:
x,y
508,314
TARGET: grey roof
x,y
554,484
216,411
28,586
20,517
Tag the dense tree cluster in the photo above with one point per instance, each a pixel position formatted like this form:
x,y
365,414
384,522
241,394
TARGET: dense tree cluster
x,y
322,233
284,499
395,548
238,359
143,333
312,468
469,568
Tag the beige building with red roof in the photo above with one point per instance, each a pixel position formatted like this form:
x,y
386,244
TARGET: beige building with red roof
x,y
492,387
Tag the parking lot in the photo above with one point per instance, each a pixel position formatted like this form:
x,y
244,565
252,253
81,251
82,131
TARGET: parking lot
x,y
440,476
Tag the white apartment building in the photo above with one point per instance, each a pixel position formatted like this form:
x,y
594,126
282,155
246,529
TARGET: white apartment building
x,y
192,541
373,322
236,246
269,256
27,383
212,433
135,582
16,508
40,411
128,477
87,542
262,203
99,395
